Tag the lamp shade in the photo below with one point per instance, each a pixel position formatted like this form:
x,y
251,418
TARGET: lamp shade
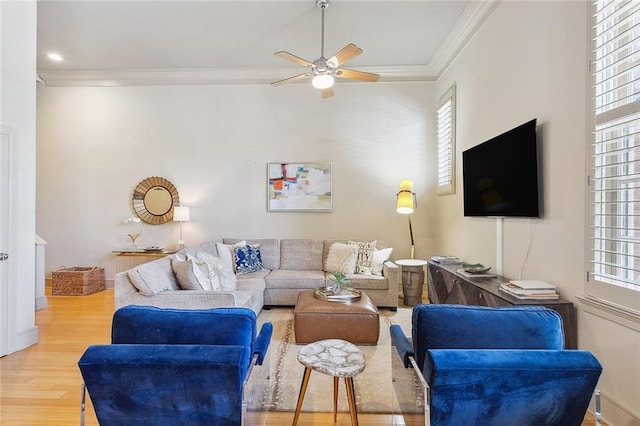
x,y
322,81
405,203
181,214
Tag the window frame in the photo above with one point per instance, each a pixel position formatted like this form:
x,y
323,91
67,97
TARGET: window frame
x,y
622,297
449,187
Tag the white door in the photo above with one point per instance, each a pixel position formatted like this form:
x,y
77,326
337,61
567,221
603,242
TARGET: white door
x,y
4,241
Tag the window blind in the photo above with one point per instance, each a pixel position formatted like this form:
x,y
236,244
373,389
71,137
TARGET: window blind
x,y
615,153
445,136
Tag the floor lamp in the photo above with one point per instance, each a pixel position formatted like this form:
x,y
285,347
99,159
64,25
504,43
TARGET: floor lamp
x,y
181,214
406,202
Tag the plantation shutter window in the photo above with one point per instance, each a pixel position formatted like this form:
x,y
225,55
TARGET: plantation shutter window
x,y
445,136
615,154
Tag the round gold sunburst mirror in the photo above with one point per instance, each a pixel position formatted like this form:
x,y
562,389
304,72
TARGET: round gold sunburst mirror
x,y
154,199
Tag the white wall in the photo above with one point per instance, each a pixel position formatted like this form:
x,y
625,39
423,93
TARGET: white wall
x,y
17,113
213,143
529,60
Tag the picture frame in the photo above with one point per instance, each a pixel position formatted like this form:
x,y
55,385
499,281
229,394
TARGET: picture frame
x,y
300,187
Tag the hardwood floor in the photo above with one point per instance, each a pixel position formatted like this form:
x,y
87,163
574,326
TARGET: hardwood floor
x,y
40,385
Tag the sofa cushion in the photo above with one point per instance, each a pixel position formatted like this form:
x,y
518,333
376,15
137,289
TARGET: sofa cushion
x,y
195,274
364,262
247,259
224,272
367,282
380,244
261,274
154,277
208,246
342,258
379,257
269,250
226,253
301,255
283,278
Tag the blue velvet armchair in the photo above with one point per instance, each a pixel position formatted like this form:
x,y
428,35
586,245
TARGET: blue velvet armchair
x,y
174,367
492,366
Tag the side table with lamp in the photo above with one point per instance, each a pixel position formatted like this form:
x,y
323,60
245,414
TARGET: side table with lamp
x,y
412,269
412,280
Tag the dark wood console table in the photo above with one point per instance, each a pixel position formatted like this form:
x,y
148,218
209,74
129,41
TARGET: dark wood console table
x,y
448,286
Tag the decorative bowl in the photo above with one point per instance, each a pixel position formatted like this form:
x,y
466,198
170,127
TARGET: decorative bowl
x,y
153,248
475,268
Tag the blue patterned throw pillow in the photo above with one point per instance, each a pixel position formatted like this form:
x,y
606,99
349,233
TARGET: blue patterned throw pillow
x,y
248,259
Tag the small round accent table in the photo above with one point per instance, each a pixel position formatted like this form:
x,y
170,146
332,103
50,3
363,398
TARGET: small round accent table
x,y
337,358
412,280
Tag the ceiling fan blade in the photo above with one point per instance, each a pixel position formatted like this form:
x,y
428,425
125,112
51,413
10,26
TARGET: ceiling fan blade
x,y
290,79
357,75
327,93
293,58
347,53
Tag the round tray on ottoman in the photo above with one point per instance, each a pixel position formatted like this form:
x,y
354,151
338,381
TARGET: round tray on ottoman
x,y
346,295
315,319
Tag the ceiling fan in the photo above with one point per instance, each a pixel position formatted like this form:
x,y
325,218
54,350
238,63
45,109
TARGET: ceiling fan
x,y
322,71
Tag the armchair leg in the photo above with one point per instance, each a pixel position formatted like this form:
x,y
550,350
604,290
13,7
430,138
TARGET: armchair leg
x,y
598,413
83,397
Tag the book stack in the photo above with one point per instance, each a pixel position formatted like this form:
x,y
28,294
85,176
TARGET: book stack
x,y
530,290
446,260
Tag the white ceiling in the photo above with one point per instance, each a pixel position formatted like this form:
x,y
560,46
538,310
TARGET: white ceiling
x,y
214,40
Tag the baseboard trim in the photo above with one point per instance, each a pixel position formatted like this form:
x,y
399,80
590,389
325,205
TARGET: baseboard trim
x,y
26,338
615,413
41,303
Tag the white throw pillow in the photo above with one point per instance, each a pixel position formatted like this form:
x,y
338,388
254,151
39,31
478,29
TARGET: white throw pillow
x,y
225,275
365,256
192,274
379,257
203,259
226,253
342,258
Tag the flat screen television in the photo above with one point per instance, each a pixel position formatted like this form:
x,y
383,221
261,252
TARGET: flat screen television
x,y
501,175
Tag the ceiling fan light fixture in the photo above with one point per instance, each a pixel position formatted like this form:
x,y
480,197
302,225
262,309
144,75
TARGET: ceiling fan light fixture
x,y
323,71
322,81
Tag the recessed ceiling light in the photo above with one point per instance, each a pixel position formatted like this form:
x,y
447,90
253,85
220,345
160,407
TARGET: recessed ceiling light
x,y
55,57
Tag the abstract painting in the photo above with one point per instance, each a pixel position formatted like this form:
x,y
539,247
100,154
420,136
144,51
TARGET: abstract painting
x,y
299,187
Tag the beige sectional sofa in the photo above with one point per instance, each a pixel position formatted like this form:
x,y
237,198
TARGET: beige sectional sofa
x,y
289,266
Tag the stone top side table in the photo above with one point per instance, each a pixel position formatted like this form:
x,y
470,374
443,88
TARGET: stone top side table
x,y
337,358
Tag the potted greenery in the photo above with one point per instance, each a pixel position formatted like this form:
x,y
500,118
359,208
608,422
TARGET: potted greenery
x,y
341,281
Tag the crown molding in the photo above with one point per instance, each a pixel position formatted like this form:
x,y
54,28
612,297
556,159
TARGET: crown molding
x,y
467,25
471,19
154,77
159,77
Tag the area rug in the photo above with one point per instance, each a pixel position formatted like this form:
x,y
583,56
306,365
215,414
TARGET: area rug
x,y
275,385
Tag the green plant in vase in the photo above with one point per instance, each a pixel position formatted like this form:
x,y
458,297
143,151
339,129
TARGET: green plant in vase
x,y
341,281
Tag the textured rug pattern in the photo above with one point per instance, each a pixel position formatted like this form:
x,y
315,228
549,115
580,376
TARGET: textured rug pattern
x,y
276,384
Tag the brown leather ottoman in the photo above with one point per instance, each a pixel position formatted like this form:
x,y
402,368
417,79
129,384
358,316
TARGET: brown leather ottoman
x,y
356,322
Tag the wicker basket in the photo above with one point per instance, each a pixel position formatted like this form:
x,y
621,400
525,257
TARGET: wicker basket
x,y
77,281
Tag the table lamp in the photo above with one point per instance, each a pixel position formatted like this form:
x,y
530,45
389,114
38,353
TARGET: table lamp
x,y
181,214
